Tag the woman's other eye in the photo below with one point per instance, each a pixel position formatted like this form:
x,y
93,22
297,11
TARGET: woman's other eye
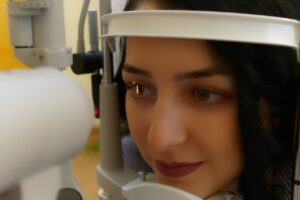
x,y
138,90
206,96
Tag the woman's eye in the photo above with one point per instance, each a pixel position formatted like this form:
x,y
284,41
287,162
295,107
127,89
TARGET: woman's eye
x,y
206,96
139,90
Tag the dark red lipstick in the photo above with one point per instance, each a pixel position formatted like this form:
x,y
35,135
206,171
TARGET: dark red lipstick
x,y
176,169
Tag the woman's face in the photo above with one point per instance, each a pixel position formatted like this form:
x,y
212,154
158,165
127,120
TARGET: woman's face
x,y
182,112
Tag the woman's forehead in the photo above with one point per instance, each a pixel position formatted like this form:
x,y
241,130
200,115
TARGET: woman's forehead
x,y
180,55
167,46
147,5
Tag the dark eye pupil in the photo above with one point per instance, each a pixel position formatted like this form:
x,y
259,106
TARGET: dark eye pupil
x,y
202,95
139,90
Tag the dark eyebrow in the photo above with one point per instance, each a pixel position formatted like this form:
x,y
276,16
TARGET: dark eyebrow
x,y
135,70
210,71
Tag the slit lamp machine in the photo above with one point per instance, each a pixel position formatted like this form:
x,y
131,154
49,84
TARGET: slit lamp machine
x,y
54,114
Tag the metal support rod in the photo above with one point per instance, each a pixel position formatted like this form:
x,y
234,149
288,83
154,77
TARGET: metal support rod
x,y
110,130
108,63
112,175
80,37
105,8
110,142
93,29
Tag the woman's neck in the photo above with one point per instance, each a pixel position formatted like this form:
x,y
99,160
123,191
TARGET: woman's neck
x,y
233,187
225,196
230,192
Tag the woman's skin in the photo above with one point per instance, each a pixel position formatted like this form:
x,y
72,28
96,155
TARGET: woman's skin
x,y
181,108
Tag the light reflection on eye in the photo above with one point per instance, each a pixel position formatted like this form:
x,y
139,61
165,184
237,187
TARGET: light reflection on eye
x,y
139,90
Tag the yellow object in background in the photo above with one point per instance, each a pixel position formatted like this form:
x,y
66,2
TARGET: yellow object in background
x,y
7,58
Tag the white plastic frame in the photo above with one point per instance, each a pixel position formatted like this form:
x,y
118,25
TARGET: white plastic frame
x,y
217,26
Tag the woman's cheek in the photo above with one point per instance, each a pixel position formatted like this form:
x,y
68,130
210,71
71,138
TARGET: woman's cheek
x,y
137,118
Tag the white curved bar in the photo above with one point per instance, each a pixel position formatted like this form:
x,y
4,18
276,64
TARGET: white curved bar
x,y
217,26
137,190
45,120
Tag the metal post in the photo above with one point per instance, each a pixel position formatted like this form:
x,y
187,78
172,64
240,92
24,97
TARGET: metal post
x,y
110,131
105,8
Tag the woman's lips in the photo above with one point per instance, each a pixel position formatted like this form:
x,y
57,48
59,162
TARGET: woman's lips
x,y
176,169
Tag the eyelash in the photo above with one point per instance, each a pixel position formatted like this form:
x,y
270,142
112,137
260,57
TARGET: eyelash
x,y
209,96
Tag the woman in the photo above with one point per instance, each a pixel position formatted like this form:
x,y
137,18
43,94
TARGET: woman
x,y
213,117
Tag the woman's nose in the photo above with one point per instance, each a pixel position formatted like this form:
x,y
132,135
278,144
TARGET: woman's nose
x,y
166,131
